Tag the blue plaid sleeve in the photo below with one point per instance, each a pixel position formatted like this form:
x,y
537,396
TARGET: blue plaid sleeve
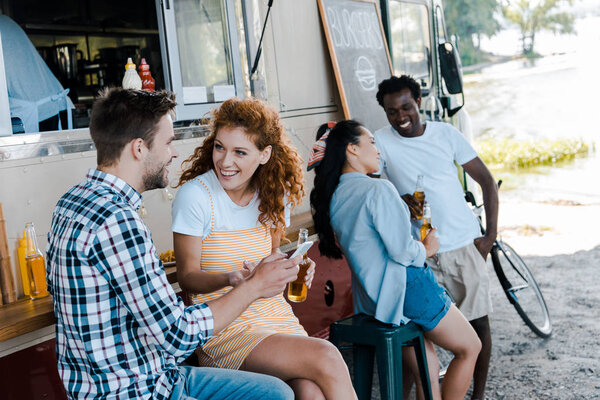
x,y
125,256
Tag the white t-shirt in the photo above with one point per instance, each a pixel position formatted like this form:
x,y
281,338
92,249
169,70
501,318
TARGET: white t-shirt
x,y
433,155
191,208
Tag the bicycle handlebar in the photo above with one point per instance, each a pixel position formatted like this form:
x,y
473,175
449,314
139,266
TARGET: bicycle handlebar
x,y
470,198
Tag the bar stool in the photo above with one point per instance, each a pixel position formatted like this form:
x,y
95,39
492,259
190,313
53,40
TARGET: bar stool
x,y
370,337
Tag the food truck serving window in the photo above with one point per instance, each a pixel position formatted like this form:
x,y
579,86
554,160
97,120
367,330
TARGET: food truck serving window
x,y
200,42
410,40
59,54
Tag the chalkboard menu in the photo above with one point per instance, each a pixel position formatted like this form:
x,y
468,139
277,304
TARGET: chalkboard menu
x,y
359,55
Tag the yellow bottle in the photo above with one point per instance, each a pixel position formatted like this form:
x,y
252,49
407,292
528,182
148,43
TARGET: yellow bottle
x,y
21,250
426,226
36,267
297,289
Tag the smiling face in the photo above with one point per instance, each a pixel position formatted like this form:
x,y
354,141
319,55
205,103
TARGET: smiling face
x,y
160,155
236,158
402,112
365,153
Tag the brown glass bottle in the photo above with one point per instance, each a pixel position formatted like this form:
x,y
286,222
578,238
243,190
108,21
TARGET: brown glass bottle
x,y
297,290
420,197
426,226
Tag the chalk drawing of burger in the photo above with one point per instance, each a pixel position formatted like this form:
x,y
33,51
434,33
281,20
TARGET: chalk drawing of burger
x,y
365,73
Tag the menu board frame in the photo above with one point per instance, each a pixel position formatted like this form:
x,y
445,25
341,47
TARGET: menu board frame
x,y
344,86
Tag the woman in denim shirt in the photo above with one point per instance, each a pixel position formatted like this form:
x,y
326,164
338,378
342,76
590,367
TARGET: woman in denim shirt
x,y
389,278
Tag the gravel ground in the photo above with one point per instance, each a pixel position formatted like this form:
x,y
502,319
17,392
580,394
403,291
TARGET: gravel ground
x,y
566,365
566,266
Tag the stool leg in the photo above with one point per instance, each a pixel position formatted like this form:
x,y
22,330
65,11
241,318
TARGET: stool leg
x,y
363,370
333,336
386,366
397,371
420,352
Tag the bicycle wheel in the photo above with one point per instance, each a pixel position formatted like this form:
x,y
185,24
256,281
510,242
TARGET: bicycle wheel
x,y
521,289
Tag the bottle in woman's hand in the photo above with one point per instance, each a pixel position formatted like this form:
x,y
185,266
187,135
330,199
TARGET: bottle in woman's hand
x,y
428,237
426,226
297,290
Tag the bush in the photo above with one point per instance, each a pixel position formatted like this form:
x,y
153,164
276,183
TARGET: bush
x,y
470,55
512,154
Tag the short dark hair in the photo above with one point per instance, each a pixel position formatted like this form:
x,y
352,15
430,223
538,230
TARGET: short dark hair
x,y
122,115
396,84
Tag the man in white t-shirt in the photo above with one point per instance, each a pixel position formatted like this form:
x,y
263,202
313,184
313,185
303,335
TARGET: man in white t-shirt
x,y
410,148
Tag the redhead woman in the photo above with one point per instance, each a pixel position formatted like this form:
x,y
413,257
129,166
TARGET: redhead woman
x,y
230,212
390,280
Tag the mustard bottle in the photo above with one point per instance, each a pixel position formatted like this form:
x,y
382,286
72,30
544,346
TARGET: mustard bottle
x,y
21,250
131,80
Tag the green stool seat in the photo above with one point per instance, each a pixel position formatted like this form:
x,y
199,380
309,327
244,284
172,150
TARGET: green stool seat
x,y
370,337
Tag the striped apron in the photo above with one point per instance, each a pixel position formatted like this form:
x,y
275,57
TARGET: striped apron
x,y
225,251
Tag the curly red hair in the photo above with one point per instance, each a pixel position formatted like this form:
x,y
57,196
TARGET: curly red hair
x,y
280,176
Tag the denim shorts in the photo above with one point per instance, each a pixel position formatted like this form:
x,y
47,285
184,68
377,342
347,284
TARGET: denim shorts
x,y
425,302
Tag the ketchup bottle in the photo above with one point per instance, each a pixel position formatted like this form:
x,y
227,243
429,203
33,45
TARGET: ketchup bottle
x,y
147,79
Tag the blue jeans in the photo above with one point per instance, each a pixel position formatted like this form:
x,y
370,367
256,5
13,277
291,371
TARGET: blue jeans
x,y
216,384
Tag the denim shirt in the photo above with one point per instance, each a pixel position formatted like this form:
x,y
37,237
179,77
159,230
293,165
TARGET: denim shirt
x,y
372,225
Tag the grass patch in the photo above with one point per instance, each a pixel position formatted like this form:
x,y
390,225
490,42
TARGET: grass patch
x,y
511,154
527,230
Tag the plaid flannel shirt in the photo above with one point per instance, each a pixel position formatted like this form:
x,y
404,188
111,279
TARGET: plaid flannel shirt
x,y
120,328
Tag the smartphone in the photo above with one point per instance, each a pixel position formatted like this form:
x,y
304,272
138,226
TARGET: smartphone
x,y
302,249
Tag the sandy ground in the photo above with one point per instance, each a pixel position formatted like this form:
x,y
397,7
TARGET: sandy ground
x,y
561,244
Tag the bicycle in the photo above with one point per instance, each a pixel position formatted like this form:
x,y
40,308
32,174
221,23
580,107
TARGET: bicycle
x,y
518,284
517,281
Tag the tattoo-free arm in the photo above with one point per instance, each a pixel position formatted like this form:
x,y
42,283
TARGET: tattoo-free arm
x,y
191,278
482,175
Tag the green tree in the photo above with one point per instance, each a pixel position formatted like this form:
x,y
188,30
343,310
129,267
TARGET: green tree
x,y
534,16
469,20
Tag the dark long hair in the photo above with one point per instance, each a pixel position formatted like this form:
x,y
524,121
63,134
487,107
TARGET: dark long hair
x,y
327,177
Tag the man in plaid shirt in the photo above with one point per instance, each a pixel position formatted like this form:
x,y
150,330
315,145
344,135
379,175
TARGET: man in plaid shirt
x,y
121,331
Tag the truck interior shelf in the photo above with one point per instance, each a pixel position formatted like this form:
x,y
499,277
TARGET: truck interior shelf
x,y
88,29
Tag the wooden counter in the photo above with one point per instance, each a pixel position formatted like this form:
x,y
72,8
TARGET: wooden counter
x,y
27,315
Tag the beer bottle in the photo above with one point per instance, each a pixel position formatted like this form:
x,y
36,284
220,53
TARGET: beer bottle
x,y
420,196
426,227
36,267
297,290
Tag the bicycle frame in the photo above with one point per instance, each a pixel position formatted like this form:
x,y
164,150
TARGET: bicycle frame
x,y
498,253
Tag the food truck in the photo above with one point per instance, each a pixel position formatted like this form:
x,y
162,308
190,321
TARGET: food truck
x,y
312,60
